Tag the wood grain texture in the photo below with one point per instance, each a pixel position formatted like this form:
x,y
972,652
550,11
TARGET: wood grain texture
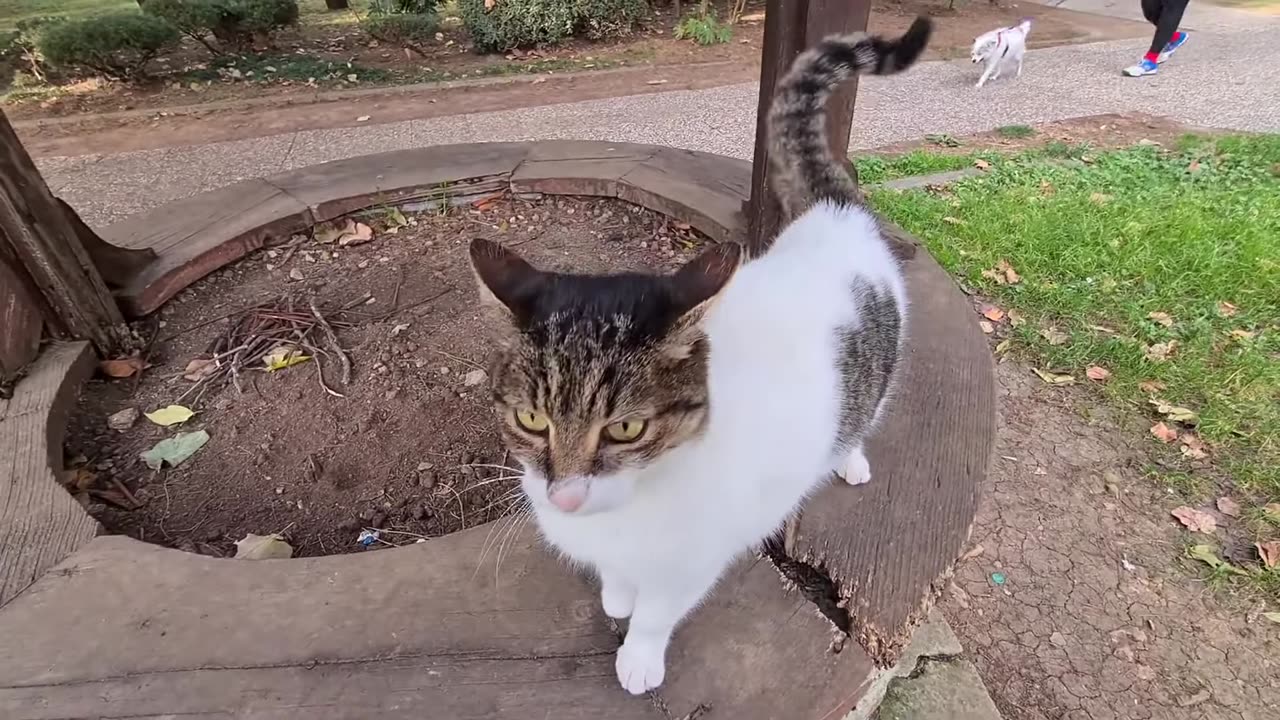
x,y
416,632
698,188
333,189
20,323
40,524
117,265
74,298
886,543
198,235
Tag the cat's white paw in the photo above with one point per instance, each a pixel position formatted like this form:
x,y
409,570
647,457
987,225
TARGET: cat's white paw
x,y
856,471
618,601
640,666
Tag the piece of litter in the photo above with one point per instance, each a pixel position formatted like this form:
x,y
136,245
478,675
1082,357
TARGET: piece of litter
x,y
998,578
367,537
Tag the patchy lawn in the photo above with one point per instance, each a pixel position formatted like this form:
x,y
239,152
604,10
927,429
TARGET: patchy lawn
x,y
1152,274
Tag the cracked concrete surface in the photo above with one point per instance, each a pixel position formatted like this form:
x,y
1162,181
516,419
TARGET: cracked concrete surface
x,y
1095,619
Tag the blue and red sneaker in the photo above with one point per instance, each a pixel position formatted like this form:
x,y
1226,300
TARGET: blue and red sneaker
x,y
1179,39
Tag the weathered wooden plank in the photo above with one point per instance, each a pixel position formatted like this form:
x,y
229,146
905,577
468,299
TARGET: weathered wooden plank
x,y
41,236
886,543
572,167
333,189
195,236
40,524
117,265
701,189
757,651
20,323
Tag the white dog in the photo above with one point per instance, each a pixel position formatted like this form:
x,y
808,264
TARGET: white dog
x,y
1000,49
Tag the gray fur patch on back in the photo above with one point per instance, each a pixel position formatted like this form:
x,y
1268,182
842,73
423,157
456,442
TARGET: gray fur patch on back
x,y
868,361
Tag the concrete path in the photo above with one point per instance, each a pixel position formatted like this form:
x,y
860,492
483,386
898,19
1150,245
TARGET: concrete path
x,y
1222,78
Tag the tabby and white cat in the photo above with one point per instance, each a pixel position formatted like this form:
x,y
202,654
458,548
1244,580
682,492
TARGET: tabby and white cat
x,y
667,424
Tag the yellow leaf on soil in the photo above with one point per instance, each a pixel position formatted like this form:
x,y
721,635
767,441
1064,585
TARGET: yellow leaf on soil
x,y
263,547
1164,433
1097,374
1162,318
1054,378
171,415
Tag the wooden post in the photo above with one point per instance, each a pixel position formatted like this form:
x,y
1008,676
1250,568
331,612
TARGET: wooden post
x,y
790,26
42,239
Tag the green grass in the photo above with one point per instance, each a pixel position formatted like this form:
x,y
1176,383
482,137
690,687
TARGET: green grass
x,y
1015,131
11,11
875,169
1102,240
295,68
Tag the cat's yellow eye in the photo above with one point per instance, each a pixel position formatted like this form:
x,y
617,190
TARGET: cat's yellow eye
x,y
533,421
625,431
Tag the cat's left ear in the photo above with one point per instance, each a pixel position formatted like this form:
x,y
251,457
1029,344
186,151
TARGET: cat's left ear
x,y
505,280
695,288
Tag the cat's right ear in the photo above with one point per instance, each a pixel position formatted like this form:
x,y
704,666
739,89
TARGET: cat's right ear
x,y
506,282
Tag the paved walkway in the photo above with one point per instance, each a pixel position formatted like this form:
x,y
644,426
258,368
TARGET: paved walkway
x,y
1222,78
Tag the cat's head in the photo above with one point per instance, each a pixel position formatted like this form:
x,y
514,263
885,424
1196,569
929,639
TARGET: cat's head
x,y
595,377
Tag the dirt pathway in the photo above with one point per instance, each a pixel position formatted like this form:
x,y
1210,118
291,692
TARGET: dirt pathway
x,y
1077,607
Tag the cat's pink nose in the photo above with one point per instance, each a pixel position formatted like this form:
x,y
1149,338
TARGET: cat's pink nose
x,y
568,498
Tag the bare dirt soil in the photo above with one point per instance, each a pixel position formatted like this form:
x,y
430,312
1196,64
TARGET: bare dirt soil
x,y
110,119
411,449
1074,599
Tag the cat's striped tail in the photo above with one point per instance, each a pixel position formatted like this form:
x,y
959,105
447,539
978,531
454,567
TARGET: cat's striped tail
x,y
804,169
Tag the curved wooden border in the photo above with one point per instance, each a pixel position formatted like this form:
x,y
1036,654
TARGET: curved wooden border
x,y
418,632
195,236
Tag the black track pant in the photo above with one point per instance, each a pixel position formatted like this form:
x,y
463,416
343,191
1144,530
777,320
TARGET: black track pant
x,y
1166,15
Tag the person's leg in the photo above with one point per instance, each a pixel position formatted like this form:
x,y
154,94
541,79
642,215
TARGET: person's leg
x,y
1167,26
1151,11
1165,15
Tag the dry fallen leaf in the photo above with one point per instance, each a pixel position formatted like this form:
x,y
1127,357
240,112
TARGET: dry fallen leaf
x,y
283,356
199,369
1102,329
1151,386
1243,334
1164,433
992,313
123,420
952,220
1054,378
1226,309
1193,448
1269,552
356,233
1016,318
982,164
1272,617
1099,198
1272,512
1160,351
1162,318
1195,520
1010,275
1186,416
123,367
175,450
1054,335
987,328
1097,374
1208,555
1228,507
1194,167
171,415
363,118
1003,346
263,547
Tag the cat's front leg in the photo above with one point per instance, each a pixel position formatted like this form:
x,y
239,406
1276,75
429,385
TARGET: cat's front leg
x,y
641,663
617,596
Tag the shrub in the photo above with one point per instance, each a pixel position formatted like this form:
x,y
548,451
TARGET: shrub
x,y
117,44
407,30
403,7
22,45
233,23
600,19
704,30
507,24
